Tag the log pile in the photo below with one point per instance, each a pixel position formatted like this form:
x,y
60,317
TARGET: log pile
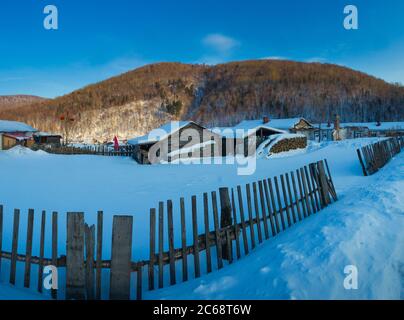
x,y
289,144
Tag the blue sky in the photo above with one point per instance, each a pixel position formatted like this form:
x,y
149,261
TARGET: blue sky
x,y
97,39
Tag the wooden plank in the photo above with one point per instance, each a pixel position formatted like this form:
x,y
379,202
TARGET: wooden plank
x,y
236,227
278,197
28,248
297,202
250,215
225,208
229,247
98,272
311,192
225,215
325,192
14,248
305,190
184,241
121,258
171,248
218,238
1,235
302,195
270,213
242,217
361,161
315,190
291,202
274,213
54,247
257,214
161,244
263,211
139,283
207,232
331,182
41,252
285,200
197,266
75,273
152,255
90,246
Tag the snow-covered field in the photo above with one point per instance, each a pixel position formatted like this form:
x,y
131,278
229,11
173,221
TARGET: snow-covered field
x,y
307,261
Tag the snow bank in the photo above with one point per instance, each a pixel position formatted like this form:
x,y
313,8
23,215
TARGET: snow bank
x,y
23,152
363,229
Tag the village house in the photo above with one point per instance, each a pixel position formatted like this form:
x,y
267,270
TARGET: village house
x,y
245,137
47,139
14,133
354,130
294,125
179,139
174,140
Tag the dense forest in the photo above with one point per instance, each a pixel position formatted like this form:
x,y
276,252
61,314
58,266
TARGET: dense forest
x,y
142,99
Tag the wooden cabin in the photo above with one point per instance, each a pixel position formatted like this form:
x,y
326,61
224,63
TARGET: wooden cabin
x,y
13,133
294,125
245,137
45,138
175,140
354,130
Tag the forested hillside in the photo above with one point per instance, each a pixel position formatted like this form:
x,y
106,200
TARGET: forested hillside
x,y
142,99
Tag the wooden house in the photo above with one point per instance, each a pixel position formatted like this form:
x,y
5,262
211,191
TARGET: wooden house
x,y
47,138
245,137
354,130
294,125
14,133
174,140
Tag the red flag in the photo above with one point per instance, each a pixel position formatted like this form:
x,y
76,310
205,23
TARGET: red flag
x,y
116,144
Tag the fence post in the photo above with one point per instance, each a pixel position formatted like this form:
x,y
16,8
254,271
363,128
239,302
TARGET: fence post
x,y
75,273
121,258
100,221
1,235
225,217
14,249
325,192
90,244
28,252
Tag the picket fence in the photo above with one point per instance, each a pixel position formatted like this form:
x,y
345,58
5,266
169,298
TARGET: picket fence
x,y
375,156
272,206
100,150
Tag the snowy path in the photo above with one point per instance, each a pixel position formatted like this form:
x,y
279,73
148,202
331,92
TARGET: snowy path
x,y
364,228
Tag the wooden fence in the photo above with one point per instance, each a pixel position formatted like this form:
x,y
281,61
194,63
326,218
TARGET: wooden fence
x,y
375,156
101,150
265,208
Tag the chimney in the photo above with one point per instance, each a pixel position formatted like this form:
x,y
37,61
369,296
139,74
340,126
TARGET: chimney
x,y
265,119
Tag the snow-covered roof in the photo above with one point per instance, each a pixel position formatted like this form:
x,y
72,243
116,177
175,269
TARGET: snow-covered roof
x,y
19,136
46,134
161,133
14,126
284,124
371,125
245,128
